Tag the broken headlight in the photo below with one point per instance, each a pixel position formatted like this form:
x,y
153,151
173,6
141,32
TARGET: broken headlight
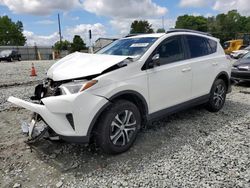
x,y
77,86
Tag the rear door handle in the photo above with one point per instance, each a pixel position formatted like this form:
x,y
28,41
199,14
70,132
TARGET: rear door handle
x,y
215,64
186,69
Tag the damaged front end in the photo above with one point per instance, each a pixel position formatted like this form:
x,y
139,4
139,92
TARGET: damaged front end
x,y
61,110
37,128
61,107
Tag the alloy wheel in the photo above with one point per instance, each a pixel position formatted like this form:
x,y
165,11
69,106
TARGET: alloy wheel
x,y
123,128
219,95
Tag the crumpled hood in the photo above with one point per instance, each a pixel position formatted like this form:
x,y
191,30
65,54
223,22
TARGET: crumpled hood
x,y
79,65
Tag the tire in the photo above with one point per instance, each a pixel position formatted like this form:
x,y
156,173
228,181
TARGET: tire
x,y
10,59
217,96
19,59
115,133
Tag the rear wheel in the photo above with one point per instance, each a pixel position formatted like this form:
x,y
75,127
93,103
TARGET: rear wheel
x,y
217,96
118,127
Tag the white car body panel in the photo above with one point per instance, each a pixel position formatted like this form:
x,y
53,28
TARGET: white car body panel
x,y
169,85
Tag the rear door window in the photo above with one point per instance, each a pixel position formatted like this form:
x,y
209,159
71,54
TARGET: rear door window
x,y
198,46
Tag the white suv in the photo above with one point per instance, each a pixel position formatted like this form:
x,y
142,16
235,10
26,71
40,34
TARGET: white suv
x,y
109,95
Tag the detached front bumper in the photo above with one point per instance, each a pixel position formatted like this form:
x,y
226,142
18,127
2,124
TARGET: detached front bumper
x,y
70,116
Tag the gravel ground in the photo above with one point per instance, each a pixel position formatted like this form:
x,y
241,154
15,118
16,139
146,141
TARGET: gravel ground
x,y
19,72
15,79
193,148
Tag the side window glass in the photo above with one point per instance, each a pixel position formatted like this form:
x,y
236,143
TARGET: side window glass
x,y
197,46
213,45
171,51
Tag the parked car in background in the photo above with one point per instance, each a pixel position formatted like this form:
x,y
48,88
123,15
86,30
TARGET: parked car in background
x,y
240,53
241,69
109,95
10,55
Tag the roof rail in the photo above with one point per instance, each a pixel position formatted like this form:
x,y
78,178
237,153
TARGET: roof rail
x,y
172,30
134,34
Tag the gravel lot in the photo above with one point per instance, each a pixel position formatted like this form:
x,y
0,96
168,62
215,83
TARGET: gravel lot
x,y
193,148
12,73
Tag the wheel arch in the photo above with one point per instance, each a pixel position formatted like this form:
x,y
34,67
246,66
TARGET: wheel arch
x,y
225,77
130,95
134,97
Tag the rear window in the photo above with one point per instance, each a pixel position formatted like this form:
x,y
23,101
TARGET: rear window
x,y
200,46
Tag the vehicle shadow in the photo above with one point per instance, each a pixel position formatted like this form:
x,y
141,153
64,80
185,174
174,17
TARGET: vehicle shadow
x,y
167,135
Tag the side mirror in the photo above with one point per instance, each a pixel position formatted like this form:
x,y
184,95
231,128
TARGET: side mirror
x,y
155,61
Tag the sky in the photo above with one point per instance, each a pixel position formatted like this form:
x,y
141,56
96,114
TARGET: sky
x,y
106,18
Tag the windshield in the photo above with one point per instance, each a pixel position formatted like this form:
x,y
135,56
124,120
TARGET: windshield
x,y
129,46
5,53
247,56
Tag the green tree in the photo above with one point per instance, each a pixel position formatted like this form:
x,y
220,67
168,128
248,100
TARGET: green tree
x,y
247,26
64,45
228,26
11,33
160,30
141,26
198,23
78,44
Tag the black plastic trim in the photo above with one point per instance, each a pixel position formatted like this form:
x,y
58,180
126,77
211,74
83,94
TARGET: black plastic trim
x,y
70,120
131,92
97,115
179,107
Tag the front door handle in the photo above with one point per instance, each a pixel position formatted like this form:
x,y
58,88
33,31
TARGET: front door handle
x,y
186,69
215,64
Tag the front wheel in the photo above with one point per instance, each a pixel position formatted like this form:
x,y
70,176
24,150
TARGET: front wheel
x,y
217,96
118,127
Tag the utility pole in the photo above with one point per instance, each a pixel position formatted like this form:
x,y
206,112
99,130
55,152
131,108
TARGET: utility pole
x,y
90,42
59,25
163,27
